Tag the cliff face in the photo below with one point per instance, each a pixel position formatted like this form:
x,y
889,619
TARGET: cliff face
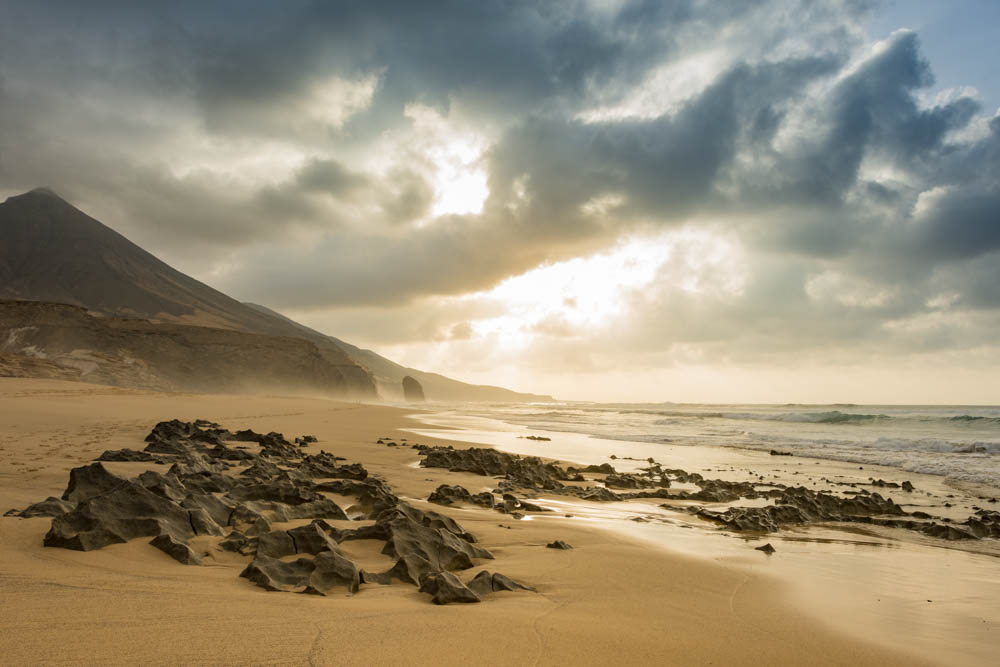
x,y
52,252
62,341
412,391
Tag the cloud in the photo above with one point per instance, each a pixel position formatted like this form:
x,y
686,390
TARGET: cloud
x,y
342,159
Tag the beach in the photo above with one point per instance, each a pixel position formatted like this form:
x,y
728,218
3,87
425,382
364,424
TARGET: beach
x,y
620,594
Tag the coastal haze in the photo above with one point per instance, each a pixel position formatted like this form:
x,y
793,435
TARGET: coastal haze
x,y
500,332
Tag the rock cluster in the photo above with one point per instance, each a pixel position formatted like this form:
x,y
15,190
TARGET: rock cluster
x,y
792,505
234,493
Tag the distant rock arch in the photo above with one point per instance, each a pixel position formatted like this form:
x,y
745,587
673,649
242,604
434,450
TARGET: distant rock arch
x,y
412,391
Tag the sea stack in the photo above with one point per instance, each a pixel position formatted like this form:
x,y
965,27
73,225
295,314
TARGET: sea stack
x,y
412,391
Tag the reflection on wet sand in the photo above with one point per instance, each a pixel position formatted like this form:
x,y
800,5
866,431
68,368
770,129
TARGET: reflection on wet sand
x,y
888,585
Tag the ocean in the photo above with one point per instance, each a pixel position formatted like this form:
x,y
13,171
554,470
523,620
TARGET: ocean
x,y
961,443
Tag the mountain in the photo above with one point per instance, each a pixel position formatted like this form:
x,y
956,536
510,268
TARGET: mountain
x,y
52,252
55,340
389,375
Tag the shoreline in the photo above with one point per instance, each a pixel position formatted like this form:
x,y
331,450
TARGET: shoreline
x,y
855,604
612,596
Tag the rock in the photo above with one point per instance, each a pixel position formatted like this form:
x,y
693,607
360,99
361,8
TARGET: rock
x,y
333,570
528,472
907,486
446,588
767,548
598,493
319,575
51,507
504,583
775,452
604,468
89,481
276,544
128,455
538,437
312,539
446,495
116,516
412,391
485,583
200,496
558,544
237,542
179,551
799,505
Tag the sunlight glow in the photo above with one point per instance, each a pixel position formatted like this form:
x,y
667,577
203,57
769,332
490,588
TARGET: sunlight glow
x,y
455,154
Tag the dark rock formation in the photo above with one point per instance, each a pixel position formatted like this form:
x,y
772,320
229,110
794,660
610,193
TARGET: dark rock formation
x,y
318,576
201,495
446,588
485,583
800,506
412,391
446,495
51,506
767,548
179,551
129,455
558,544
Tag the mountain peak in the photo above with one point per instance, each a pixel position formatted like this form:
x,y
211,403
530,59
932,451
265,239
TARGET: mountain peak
x,y
43,190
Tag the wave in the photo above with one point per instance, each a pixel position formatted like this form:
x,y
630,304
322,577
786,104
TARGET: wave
x,y
830,417
975,419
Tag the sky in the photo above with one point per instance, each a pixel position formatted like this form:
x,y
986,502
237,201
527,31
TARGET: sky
x,y
617,200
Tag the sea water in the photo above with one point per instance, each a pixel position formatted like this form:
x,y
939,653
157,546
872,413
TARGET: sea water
x,y
961,443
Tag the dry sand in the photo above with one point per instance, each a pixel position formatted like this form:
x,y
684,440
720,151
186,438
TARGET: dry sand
x,y
609,600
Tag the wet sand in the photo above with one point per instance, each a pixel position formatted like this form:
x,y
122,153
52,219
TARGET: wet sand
x,y
618,596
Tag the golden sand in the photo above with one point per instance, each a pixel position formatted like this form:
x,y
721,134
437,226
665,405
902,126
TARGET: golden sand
x,y
612,599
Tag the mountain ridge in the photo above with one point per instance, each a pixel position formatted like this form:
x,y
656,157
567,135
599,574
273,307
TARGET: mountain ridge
x,y
53,252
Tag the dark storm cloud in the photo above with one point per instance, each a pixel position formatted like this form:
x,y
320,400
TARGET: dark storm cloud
x,y
786,144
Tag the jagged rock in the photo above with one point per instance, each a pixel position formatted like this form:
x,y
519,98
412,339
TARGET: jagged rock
x,y
287,492
238,543
248,521
775,452
627,481
446,588
334,570
218,511
165,486
276,544
324,508
179,551
318,575
597,493
720,491
907,486
767,548
126,455
799,505
446,495
312,539
412,391
49,507
485,583
541,438
530,472
125,512
382,579
558,544
512,503
438,548
90,481
604,468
